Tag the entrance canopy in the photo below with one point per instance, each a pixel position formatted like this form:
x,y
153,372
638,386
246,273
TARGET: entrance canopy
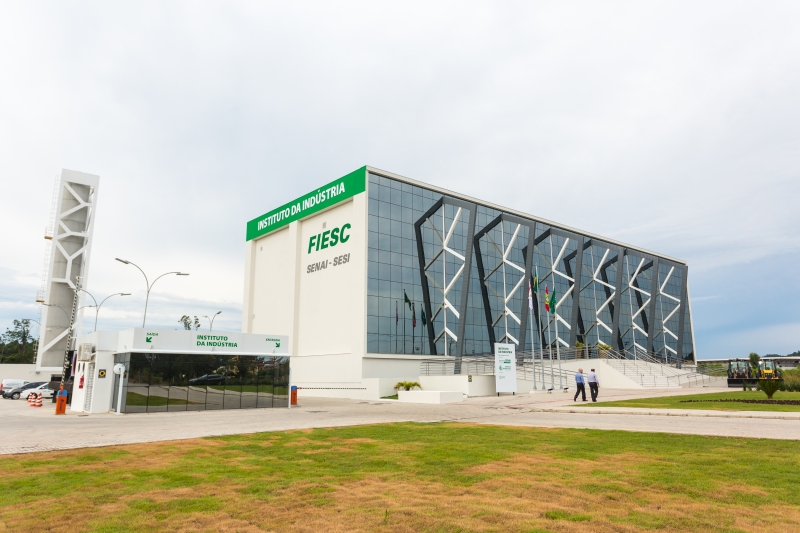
x,y
148,340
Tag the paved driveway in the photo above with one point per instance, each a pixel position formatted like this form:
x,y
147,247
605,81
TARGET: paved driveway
x,y
27,429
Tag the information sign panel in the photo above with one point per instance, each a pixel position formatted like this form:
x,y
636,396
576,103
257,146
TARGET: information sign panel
x,y
505,368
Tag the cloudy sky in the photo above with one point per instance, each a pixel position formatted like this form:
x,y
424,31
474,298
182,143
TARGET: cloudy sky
x,y
669,125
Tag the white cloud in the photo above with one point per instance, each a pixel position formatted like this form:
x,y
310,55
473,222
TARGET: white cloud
x,y
671,126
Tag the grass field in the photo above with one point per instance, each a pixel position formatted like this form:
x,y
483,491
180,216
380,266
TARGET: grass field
x,y
676,402
411,477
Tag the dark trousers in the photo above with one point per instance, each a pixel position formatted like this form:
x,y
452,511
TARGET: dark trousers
x,y
581,390
594,389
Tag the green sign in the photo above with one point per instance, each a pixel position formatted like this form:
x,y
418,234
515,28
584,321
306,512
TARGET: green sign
x,y
324,197
329,238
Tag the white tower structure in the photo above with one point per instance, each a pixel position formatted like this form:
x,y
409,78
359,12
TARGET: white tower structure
x,y
75,202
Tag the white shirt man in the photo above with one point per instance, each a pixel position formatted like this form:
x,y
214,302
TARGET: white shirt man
x,y
594,384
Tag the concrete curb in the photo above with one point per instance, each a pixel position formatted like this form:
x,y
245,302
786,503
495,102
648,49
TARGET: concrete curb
x,y
737,414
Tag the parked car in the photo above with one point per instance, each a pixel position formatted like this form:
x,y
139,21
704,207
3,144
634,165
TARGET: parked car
x,y
24,390
9,384
208,379
43,388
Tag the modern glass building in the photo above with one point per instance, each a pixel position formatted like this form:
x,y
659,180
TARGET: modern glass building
x,y
434,273
467,265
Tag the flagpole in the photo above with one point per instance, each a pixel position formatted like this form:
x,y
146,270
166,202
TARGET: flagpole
x,y
549,345
395,326
539,323
558,352
533,346
404,329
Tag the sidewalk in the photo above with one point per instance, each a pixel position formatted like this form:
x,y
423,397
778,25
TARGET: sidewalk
x,y
557,403
27,429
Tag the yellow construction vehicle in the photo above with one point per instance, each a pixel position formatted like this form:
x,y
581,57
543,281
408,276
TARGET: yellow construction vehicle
x,y
768,370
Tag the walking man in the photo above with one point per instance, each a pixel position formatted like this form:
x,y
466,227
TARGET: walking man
x,y
594,384
579,382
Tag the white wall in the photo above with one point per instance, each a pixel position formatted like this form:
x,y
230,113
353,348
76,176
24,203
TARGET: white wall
x,y
26,372
479,386
327,300
322,310
102,395
274,261
380,365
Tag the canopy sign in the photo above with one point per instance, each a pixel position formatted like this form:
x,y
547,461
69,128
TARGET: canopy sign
x,y
324,197
182,341
505,368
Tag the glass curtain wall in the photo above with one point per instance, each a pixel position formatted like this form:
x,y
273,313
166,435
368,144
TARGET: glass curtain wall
x,y
667,312
502,265
554,265
612,305
635,320
597,293
395,317
177,382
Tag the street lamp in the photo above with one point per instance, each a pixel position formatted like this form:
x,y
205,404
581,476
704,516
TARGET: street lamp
x,y
149,285
58,306
212,319
97,307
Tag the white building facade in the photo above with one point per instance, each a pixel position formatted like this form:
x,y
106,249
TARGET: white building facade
x,y
375,273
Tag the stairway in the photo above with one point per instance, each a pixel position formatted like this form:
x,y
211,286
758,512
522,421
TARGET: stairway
x,y
647,374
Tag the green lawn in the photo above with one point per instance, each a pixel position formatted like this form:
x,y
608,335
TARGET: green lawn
x,y
411,477
677,402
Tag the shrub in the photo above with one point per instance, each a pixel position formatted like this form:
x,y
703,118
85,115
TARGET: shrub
x,y
407,385
754,360
769,386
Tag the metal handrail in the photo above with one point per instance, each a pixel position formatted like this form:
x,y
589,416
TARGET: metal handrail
x,y
538,362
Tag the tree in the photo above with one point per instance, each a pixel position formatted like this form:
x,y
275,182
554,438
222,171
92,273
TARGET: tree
x,y
18,343
754,360
188,323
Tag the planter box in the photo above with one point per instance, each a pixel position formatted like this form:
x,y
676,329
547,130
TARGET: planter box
x,y
430,396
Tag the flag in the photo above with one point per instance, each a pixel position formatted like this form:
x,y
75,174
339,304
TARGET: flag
x,y
396,314
535,285
546,298
553,302
530,296
407,301
424,322
413,316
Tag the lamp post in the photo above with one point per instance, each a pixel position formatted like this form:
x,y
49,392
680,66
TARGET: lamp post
x,y
97,307
149,285
97,311
35,342
62,309
211,319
